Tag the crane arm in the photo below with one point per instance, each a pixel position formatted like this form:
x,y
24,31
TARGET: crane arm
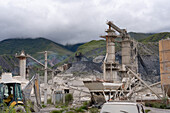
x,y
115,27
123,32
29,56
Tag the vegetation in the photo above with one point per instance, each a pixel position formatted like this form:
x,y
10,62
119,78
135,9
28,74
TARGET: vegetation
x,y
156,37
49,101
7,109
162,105
92,46
44,106
31,46
73,47
139,36
81,109
68,98
56,111
9,47
147,110
94,110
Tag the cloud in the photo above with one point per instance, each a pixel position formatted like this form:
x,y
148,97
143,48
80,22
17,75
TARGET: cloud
x,y
72,21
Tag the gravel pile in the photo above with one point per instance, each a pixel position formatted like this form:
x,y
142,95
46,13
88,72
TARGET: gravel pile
x,y
85,66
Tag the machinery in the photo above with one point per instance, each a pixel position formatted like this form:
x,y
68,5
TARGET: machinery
x,y
10,92
13,96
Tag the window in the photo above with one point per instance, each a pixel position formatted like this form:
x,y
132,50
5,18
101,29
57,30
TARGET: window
x,y
1,92
18,92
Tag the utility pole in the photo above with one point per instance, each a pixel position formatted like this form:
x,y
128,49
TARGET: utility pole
x,y
45,80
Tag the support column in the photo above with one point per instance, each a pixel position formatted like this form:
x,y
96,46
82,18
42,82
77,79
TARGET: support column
x,y
110,66
22,64
45,80
111,51
126,52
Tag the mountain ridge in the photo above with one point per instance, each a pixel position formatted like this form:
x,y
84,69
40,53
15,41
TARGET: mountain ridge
x,y
156,37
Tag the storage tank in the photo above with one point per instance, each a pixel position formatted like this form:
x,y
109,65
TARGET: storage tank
x,y
164,57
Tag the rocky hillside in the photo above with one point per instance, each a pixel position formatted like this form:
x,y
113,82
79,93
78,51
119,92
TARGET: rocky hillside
x,y
139,36
8,63
148,54
34,47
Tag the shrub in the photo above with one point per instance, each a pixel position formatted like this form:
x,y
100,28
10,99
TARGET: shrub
x,y
157,105
68,98
49,101
147,110
56,111
44,106
70,112
93,110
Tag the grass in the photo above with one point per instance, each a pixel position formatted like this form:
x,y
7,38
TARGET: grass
x,y
93,110
157,105
67,109
147,110
162,105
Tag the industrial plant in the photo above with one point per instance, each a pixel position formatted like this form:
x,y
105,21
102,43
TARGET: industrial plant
x,y
118,81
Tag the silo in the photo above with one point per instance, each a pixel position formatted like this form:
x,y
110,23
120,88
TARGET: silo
x,y
164,57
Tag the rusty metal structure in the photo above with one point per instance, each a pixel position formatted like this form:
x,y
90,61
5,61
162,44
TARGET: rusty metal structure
x,y
164,56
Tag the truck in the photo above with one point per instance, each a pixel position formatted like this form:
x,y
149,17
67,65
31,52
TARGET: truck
x,y
122,107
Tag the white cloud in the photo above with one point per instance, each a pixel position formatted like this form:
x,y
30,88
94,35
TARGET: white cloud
x,y
72,21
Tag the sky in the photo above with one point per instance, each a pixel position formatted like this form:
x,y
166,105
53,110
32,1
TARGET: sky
x,y
74,21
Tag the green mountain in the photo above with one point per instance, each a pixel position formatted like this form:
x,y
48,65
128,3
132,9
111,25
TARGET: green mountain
x,y
156,37
93,48
73,47
139,36
33,47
